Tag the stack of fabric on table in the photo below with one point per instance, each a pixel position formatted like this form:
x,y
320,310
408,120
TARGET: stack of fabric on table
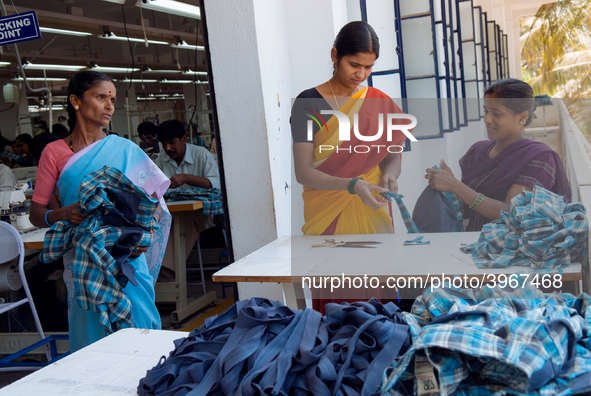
x,y
495,342
211,198
540,231
263,347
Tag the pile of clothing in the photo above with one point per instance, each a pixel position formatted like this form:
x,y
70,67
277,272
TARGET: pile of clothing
x,y
211,198
495,341
263,347
540,231
118,218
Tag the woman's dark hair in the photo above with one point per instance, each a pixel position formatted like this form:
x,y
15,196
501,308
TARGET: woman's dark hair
x,y
80,83
515,95
169,130
23,137
356,37
39,142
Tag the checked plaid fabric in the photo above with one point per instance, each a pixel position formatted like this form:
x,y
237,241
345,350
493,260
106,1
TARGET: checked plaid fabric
x,y
211,198
411,227
98,277
540,231
498,342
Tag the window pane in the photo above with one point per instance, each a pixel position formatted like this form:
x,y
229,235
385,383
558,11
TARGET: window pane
x,y
472,101
413,7
466,20
389,84
380,15
468,53
417,39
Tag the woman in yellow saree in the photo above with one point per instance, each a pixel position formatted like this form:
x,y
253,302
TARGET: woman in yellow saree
x,y
342,178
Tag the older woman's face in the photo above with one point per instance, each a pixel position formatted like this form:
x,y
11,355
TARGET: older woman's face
x,y
97,104
501,123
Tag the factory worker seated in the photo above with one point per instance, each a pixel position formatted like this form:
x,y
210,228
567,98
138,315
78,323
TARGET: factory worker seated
x,y
188,166
148,133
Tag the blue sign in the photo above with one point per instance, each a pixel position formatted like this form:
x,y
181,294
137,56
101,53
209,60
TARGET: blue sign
x,y
19,27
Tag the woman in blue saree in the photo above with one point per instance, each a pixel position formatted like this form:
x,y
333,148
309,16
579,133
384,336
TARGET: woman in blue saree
x,y
63,165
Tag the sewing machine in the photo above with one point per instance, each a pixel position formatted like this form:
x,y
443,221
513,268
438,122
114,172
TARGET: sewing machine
x,y
13,209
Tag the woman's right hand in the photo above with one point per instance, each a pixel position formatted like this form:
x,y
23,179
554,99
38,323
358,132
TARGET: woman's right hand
x,y
364,189
72,214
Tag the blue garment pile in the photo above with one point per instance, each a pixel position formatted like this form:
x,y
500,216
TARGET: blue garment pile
x,y
540,231
119,217
211,198
263,347
496,341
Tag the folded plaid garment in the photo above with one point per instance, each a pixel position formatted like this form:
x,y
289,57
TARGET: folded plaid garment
x,y
119,217
540,231
496,342
211,198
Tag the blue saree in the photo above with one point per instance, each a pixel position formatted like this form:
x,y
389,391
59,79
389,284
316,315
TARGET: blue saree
x,y
84,325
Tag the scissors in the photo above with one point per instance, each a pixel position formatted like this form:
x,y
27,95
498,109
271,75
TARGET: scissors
x,y
355,244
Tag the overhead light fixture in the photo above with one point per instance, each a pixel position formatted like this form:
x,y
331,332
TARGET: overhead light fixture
x,y
171,7
148,70
138,80
198,73
113,36
182,81
63,31
183,45
31,66
146,98
113,69
116,1
4,63
41,79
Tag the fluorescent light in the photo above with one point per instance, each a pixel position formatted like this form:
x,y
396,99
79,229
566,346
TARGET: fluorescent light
x,y
31,66
41,79
113,69
4,63
182,81
171,7
145,99
112,36
183,45
116,1
63,31
138,80
162,71
199,73
43,108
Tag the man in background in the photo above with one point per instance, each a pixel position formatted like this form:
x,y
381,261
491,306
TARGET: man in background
x,y
188,166
148,133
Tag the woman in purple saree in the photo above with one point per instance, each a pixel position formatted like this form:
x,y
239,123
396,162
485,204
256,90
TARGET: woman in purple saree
x,y
496,170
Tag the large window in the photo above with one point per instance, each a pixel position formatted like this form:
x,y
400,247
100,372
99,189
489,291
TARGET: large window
x,y
436,59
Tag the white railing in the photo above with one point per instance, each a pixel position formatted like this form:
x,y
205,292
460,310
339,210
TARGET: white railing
x,y
578,165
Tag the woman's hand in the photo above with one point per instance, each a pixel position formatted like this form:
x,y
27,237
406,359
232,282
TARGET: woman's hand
x,y
138,251
364,189
72,214
389,182
442,179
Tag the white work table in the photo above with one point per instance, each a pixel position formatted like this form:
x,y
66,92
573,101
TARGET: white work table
x,y
112,366
287,259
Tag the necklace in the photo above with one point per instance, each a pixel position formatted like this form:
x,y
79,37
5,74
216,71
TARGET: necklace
x,y
71,148
333,95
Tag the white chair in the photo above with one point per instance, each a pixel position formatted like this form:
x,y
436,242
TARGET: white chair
x,y
11,247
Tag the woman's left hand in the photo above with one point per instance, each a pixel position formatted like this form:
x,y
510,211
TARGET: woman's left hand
x,y
138,251
389,181
442,179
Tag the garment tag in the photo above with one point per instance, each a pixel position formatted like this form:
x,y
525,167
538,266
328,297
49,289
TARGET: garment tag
x,y
426,382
